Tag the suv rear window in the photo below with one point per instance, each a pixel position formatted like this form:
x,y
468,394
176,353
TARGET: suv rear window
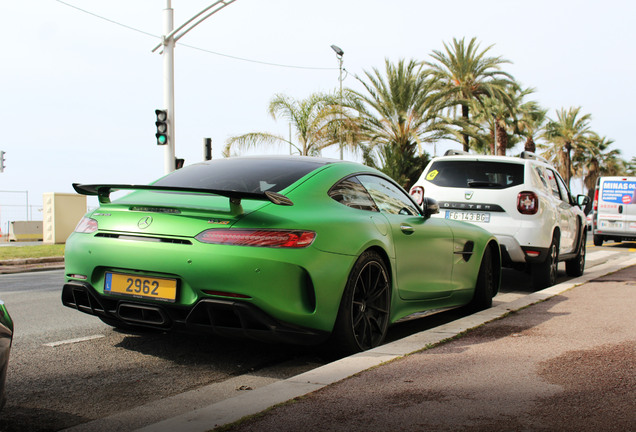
x,y
475,174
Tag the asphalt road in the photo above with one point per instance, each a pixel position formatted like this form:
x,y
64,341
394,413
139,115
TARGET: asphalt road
x,y
68,368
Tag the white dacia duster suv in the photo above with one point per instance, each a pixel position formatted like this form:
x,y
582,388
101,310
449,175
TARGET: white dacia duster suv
x,y
522,200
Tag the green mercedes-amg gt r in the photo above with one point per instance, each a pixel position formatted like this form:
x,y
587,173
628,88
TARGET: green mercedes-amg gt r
x,y
293,249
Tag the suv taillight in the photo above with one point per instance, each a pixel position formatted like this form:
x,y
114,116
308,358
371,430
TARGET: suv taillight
x,y
417,193
527,203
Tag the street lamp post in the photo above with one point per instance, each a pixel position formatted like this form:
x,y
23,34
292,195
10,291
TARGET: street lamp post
x,y
339,53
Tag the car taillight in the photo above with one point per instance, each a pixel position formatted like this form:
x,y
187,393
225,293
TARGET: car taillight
x,y
417,193
595,205
259,238
86,226
527,203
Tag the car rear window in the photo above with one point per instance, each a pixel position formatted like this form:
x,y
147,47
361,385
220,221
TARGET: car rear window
x,y
475,174
242,174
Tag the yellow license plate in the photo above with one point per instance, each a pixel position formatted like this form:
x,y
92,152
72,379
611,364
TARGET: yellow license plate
x,y
140,286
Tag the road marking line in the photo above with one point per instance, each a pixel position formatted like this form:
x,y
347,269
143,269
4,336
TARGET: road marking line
x,y
76,340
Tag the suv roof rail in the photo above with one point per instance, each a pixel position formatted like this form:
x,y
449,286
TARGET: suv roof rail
x,y
530,155
452,152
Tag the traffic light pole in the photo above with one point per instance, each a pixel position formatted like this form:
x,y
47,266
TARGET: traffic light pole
x,y
170,37
168,86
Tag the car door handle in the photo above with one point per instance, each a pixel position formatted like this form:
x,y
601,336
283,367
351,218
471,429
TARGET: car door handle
x,y
407,229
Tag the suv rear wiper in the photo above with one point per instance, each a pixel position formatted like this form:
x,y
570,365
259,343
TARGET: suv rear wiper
x,y
474,184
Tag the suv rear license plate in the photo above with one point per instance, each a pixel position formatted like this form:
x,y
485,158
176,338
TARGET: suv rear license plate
x,y
468,216
141,287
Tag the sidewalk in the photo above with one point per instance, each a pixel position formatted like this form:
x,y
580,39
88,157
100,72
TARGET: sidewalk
x,y
567,363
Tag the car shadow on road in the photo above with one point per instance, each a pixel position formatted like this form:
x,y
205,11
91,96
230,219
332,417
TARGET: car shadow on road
x,y
21,418
232,356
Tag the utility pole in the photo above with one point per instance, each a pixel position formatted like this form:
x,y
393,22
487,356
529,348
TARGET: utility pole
x,y
169,39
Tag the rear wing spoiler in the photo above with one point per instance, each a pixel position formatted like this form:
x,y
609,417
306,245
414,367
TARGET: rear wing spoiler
x,y
103,191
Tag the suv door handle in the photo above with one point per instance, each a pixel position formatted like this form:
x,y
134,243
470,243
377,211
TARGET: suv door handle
x,y
407,229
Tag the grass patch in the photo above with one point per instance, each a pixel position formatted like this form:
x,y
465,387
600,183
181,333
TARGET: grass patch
x,y
39,251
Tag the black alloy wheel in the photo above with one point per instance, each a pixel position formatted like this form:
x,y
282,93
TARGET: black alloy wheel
x,y
363,317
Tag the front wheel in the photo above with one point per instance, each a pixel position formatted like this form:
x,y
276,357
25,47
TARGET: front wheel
x,y
363,317
544,274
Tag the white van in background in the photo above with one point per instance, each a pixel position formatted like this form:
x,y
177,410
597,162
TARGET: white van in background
x,y
614,209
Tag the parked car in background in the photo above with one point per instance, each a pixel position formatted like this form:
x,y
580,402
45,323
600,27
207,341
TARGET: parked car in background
x,y
614,209
6,340
292,249
522,200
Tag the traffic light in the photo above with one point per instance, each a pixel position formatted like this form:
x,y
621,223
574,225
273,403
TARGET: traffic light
x,y
162,127
178,163
2,161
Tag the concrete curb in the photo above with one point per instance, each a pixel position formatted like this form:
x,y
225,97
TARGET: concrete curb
x,y
30,264
260,399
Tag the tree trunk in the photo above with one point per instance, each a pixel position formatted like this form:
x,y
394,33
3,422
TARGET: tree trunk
x,y
530,146
568,163
465,136
502,140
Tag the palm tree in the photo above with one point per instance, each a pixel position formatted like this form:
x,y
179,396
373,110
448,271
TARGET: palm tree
x,y
393,118
570,131
596,160
465,74
312,119
530,123
499,123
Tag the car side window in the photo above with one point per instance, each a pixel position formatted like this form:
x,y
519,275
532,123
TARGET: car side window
x,y
565,193
541,176
554,187
388,197
351,193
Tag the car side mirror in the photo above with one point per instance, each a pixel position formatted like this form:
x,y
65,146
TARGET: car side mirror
x,y
582,200
430,207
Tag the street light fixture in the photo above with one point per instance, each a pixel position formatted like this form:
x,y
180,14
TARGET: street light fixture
x,y
339,53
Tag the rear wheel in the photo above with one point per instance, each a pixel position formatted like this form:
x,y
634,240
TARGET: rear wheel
x,y
545,274
598,240
363,317
576,266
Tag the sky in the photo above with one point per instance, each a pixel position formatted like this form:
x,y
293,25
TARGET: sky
x,y
78,92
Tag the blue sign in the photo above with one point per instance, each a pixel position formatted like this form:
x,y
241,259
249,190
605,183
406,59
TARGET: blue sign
x,y
619,191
